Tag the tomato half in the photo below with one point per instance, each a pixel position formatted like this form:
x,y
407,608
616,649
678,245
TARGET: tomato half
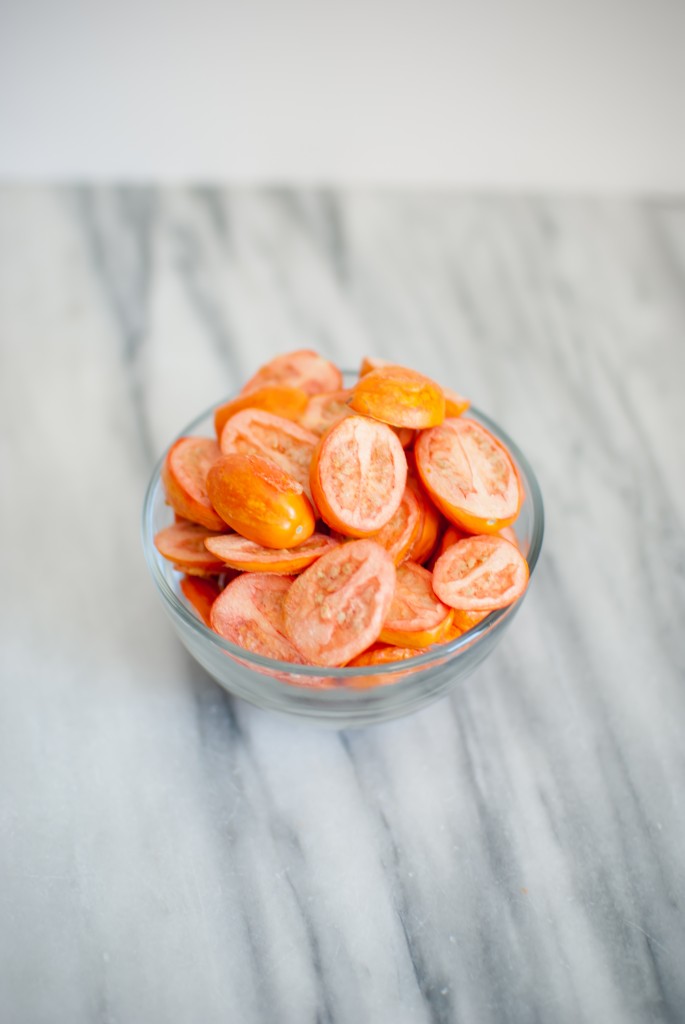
x,y
201,594
304,369
358,475
249,612
469,475
287,402
243,554
183,543
480,574
184,476
416,618
400,397
399,535
260,501
257,432
324,410
336,608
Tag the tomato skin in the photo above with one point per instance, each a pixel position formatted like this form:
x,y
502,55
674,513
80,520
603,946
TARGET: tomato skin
x,y
461,496
400,534
184,476
260,501
382,654
399,397
416,618
283,401
455,404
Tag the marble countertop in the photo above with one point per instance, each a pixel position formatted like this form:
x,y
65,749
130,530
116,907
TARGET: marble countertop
x,y
169,855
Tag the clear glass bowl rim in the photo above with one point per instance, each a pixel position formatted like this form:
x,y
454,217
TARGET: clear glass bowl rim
x,y
438,654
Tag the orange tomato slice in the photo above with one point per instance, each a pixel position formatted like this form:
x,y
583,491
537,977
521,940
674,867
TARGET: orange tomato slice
x,y
249,612
336,608
184,476
399,535
429,527
417,618
257,432
469,475
243,554
358,475
287,402
201,594
260,501
480,574
304,369
455,404
400,397
464,621
324,410
183,544
382,654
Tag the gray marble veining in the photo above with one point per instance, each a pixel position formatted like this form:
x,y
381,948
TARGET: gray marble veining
x,y
511,854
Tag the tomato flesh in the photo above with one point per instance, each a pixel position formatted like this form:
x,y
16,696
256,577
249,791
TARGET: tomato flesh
x,y
304,369
358,475
480,574
469,475
336,608
416,618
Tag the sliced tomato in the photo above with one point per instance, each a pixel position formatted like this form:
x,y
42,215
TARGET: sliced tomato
x,y
469,475
400,397
324,410
336,608
249,612
455,404
257,432
304,369
465,621
382,654
399,535
184,476
260,501
480,574
183,543
243,554
430,525
417,618
358,475
201,594
287,402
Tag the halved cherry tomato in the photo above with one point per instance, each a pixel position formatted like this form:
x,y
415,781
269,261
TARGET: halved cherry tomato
x,y
382,654
183,543
336,608
260,501
451,535
287,444
245,555
508,533
249,612
480,574
325,409
429,527
453,631
370,363
201,594
283,401
465,621
455,404
358,474
184,475
400,397
416,617
302,369
469,475
398,536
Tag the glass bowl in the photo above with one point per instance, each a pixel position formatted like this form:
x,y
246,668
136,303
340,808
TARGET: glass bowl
x,y
341,697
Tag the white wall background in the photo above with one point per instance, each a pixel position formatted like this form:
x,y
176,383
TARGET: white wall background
x,y
527,93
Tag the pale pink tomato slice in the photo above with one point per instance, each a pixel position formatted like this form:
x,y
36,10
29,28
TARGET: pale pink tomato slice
x,y
469,475
480,574
303,369
416,618
249,613
336,608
